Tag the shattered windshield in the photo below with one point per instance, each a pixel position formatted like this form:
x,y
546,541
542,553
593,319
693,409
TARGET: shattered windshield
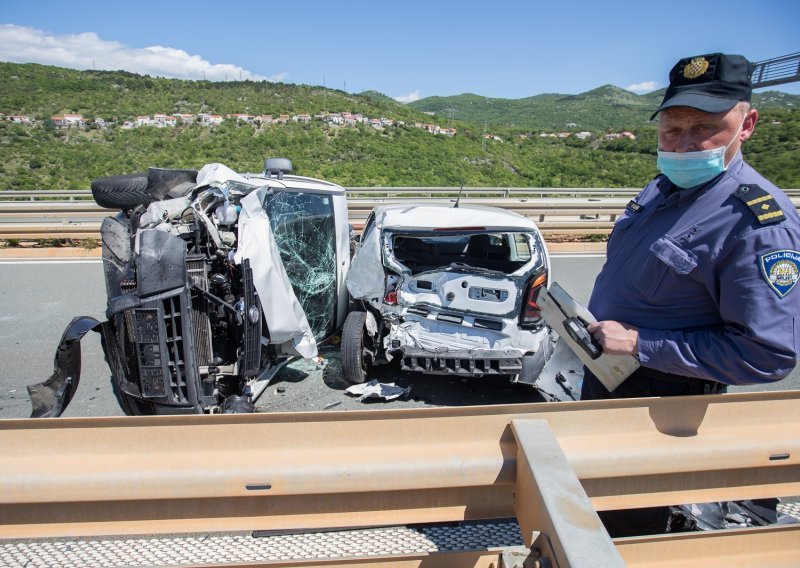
x,y
304,229
501,252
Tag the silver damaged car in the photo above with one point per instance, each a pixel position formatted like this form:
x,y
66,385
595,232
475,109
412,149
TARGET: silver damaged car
x,y
449,291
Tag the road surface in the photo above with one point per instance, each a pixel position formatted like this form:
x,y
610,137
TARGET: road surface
x,y
39,297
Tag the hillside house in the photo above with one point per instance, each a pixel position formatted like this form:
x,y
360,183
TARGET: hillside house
x,y
246,118
68,120
214,119
162,120
349,119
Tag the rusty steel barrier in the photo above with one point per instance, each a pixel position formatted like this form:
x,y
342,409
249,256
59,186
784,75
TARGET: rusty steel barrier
x,y
552,466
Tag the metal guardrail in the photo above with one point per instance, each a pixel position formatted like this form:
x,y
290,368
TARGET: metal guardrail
x,y
355,192
80,218
376,192
776,71
552,466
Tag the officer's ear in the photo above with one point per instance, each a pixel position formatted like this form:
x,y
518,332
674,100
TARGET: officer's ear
x,y
749,124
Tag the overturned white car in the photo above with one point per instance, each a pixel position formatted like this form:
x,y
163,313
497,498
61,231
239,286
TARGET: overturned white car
x,y
214,281
448,290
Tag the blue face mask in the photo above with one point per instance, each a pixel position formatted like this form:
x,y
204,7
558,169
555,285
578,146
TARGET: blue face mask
x,y
690,169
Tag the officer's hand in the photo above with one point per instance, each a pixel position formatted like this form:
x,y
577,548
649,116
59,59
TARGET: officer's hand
x,y
615,337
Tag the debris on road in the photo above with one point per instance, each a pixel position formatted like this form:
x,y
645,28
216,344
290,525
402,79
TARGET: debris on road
x,y
374,389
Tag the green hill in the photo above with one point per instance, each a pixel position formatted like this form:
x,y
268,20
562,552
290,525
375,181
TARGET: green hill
x,y
41,156
43,91
605,108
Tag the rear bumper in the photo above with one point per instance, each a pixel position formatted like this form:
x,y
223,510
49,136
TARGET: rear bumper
x,y
468,363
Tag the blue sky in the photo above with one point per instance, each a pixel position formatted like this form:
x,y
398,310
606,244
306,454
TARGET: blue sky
x,y
407,50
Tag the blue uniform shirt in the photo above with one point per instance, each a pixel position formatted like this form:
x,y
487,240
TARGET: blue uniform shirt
x,y
713,291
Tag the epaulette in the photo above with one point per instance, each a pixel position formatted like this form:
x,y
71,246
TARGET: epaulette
x,y
761,203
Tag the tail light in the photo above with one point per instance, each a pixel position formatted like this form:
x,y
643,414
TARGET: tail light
x,y
390,298
530,309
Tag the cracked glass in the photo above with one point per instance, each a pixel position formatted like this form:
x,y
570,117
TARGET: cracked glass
x,y
304,228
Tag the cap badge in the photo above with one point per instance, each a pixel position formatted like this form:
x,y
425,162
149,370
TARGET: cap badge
x,y
695,68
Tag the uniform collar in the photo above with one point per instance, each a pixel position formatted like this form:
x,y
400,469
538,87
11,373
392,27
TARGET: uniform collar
x,y
677,196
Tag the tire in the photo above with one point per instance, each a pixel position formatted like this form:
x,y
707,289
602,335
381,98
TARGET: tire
x,y
356,364
121,192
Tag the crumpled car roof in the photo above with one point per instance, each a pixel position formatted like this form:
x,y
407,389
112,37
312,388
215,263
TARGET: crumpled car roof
x,y
445,216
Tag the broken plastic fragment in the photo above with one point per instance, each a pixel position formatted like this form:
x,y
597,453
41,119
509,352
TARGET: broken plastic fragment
x,y
562,376
374,389
51,397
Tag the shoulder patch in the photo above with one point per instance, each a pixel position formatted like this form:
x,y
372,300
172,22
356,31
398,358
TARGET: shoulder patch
x,y
781,269
761,203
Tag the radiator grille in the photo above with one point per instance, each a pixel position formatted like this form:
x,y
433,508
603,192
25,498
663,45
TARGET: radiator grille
x,y
201,326
252,330
173,340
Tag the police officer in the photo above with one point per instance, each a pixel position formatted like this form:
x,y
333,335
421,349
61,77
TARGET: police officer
x,y
701,269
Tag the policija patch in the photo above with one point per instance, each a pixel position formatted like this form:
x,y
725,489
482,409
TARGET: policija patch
x,y
781,269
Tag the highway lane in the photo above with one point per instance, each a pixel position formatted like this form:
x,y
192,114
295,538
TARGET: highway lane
x,y
38,299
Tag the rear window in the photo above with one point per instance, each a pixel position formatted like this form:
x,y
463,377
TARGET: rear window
x,y
504,252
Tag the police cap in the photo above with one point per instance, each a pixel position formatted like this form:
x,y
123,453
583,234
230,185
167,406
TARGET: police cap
x,y
711,83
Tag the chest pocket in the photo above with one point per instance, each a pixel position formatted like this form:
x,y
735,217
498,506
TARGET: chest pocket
x,y
673,255
668,261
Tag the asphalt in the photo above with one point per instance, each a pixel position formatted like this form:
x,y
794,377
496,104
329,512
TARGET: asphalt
x,y
31,252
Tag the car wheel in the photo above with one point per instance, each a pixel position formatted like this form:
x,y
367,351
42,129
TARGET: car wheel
x,y
356,344
121,192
